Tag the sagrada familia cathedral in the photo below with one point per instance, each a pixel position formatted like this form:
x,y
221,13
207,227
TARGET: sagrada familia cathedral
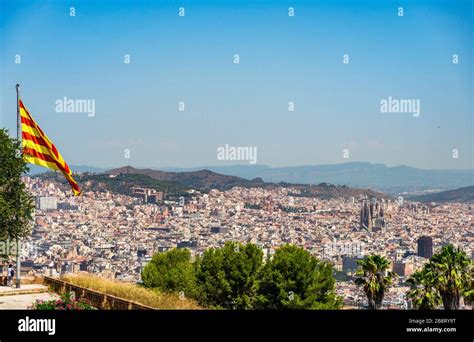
x,y
372,216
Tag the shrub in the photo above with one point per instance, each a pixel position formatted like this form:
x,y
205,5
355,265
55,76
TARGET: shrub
x,y
294,279
227,276
63,303
171,271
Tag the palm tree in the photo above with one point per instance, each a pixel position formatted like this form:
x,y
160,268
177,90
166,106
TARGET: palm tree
x,y
468,294
374,278
469,297
423,292
451,270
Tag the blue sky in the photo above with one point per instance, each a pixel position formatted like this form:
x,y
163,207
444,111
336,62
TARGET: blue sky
x,y
282,59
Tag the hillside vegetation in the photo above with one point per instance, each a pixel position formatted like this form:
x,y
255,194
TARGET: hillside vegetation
x,y
119,184
176,184
461,195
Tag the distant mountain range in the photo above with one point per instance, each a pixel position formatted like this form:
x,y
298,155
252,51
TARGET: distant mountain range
x,y
35,170
462,195
205,180
122,180
392,180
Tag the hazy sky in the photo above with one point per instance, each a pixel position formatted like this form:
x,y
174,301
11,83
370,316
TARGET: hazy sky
x,y
282,58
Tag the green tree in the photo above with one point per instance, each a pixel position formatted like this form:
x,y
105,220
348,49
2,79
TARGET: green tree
x,y
294,279
171,271
227,276
469,296
469,288
16,204
423,292
452,274
374,278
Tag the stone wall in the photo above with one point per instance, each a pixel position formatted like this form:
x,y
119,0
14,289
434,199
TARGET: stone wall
x,y
98,299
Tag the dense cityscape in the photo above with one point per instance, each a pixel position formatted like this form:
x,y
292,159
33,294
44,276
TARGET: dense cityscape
x,y
115,235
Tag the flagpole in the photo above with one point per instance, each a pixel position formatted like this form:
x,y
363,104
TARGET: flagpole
x,y
18,137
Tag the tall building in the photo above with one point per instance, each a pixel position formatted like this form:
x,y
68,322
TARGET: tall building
x,y
372,216
425,247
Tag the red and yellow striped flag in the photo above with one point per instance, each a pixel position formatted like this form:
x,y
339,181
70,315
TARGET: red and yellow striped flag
x,y
39,150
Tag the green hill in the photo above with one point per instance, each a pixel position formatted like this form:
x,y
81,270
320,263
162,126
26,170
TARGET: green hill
x,y
121,183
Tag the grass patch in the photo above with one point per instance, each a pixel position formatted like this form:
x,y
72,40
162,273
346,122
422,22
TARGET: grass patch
x,y
132,292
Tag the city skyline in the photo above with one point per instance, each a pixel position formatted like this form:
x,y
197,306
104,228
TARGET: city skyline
x,y
128,229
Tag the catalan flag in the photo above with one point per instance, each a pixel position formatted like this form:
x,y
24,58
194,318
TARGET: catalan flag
x,y
39,150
